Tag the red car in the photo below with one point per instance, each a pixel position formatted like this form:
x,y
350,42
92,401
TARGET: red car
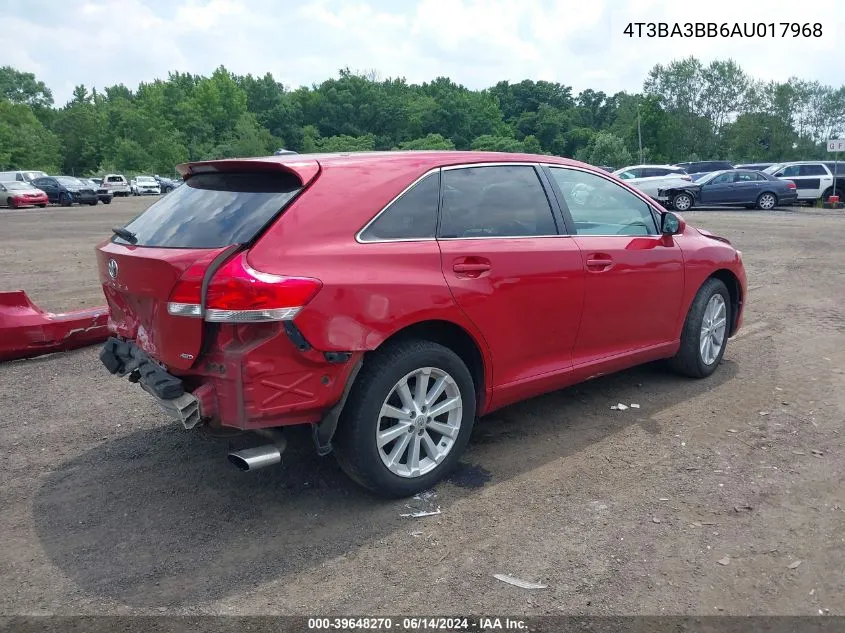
x,y
21,194
388,299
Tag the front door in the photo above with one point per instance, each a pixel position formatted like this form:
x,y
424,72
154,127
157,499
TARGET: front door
x,y
720,190
634,278
518,280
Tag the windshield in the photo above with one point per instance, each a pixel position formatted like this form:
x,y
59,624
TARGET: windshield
x,y
772,169
215,209
68,180
32,175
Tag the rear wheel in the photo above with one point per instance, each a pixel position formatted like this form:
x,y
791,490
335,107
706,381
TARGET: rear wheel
x,y
682,202
767,201
42,205
106,200
93,204
829,192
705,333
65,199
408,418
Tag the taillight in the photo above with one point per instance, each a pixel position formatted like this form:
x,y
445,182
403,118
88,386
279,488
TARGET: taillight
x,y
791,185
238,293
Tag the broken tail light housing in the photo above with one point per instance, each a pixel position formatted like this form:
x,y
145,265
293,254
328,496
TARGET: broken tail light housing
x,y
237,293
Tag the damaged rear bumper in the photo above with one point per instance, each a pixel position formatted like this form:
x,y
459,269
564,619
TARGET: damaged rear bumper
x,y
27,331
124,358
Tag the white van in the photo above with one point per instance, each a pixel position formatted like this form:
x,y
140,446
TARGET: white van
x,y
21,176
117,184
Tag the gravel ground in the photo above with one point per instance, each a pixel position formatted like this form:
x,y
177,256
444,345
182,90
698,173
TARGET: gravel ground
x,y
723,495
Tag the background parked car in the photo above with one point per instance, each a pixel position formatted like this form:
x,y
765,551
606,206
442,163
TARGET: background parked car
x,y
21,176
145,185
17,194
117,184
704,166
103,195
754,166
651,178
66,190
814,179
165,184
733,187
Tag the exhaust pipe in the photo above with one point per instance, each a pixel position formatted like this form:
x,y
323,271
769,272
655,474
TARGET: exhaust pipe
x,y
255,458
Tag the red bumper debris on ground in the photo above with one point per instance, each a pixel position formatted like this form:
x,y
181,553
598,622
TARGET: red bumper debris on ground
x,y
26,330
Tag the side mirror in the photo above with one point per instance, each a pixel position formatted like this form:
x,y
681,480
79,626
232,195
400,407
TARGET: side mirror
x,y
672,224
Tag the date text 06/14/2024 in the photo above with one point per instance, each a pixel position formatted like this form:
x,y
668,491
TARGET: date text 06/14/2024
x,y
724,29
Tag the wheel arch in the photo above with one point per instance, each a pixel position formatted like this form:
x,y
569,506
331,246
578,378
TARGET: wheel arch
x,y
459,340
731,281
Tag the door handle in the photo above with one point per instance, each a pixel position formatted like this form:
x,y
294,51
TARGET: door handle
x,y
474,267
599,263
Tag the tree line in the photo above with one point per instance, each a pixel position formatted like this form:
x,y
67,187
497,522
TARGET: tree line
x,y
685,111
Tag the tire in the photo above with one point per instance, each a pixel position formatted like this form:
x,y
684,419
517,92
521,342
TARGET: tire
x,y
356,446
41,206
65,200
106,200
94,204
682,202
767,201
168,189
829,192
690,359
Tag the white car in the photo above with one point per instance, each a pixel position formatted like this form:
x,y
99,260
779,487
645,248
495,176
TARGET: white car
x,y
117,184
146,185
651,178
813,179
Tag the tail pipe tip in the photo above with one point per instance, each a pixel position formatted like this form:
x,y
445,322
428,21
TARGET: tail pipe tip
x,y
255,458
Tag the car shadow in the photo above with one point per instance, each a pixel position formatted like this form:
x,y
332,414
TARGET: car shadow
x,y
158,517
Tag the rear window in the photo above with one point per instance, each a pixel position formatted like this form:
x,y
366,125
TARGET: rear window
x,y
214,209
115,179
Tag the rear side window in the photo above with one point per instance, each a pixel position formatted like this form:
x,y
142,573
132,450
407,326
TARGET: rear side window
x,y
412,216
496,201
214,209
813,170
792,170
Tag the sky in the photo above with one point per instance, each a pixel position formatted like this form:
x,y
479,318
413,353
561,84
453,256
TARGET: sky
x,y
580,43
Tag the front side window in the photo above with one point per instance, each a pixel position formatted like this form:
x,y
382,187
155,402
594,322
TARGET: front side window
x,y
412,216
722,179
788,172
601,207
495,201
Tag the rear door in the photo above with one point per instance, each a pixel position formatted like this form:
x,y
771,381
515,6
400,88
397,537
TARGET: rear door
x,y
748,186
634,278
515,276
153,283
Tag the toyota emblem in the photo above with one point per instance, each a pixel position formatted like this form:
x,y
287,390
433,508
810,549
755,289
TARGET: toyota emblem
x,y
112,269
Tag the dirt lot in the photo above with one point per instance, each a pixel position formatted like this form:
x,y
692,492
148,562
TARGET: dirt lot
x,y
108,508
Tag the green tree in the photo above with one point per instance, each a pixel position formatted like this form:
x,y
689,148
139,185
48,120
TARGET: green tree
x,y
490,143
21,87
430,141
24,142
605,149
344,143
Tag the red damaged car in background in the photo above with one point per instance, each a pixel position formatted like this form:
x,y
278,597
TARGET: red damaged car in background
x,y
388,299
21,194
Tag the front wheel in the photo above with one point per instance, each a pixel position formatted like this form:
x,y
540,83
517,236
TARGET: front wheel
x,y
767,201
106,200
682,202
42,206
408,418
93,204
705,333
65,200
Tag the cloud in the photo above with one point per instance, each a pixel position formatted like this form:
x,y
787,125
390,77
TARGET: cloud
x,y
475,42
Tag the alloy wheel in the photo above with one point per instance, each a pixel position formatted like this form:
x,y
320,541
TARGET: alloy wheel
x,y
713,328
419,422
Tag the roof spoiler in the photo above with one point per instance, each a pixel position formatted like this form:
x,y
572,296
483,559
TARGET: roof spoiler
x,y
306,169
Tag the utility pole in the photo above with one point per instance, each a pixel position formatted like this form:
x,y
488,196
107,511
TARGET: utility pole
x,y
640,132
